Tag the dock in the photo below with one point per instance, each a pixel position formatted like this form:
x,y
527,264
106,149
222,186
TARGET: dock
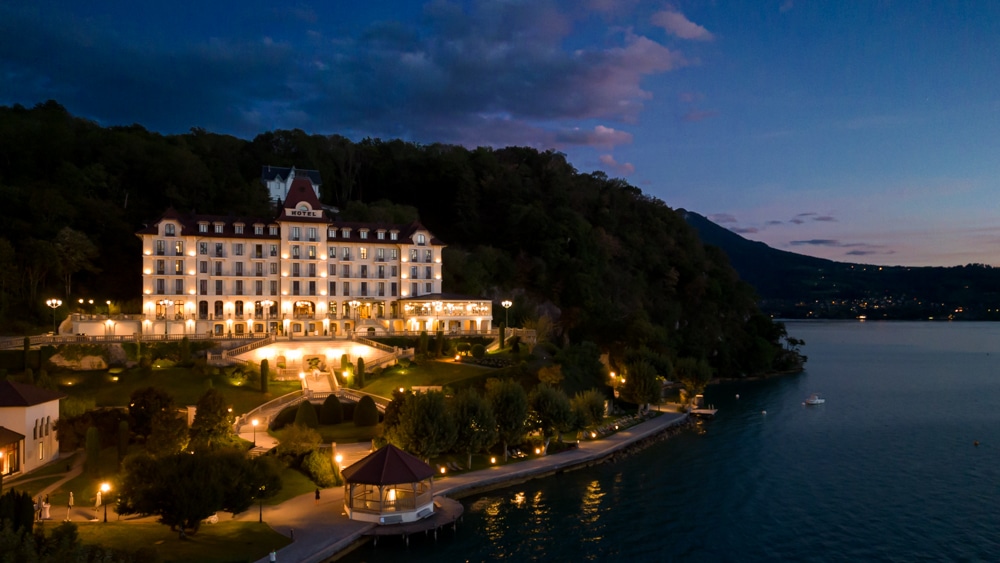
x,y
704,413
446,512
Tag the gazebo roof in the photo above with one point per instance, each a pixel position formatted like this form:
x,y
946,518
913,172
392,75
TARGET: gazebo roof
x,y
388,466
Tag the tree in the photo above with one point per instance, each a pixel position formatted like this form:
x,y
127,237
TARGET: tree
x,y
550,411
510,408
265,374
642,386
296,440
422,344
169,436
185,489
211,421
359,377
184,352
366,413
693,374
475,423
144,403
76,252
306,415
426,427
588,408
550,375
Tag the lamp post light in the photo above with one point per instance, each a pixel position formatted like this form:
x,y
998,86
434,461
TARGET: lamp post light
x,y
302,379
166,303
254,423
354,309
506,303
105,487
266,304
260,514
54,304
109,307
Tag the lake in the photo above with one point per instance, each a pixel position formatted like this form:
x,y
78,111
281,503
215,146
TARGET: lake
x,y
886,470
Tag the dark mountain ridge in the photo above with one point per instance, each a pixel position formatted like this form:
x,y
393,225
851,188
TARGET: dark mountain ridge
x,y
793,285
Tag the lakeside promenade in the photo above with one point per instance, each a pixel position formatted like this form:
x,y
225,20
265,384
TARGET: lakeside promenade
x,y
322,530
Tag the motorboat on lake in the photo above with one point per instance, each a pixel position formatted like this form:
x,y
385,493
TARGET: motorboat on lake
x,y
815,399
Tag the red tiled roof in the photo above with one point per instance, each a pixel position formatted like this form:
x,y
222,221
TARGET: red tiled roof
x,y
388,466
23,395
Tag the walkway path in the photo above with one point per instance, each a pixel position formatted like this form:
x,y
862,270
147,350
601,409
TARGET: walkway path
x,y
322,529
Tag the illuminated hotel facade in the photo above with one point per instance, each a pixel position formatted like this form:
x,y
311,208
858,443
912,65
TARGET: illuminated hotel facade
x,y
301,273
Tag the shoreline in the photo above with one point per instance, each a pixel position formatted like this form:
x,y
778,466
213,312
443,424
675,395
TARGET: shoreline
x,y
610,449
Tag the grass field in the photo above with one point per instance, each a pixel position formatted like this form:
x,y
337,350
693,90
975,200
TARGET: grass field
x,y
224,542
114,390
426,373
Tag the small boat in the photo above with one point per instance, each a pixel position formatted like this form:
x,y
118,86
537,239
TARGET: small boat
x,y
815,399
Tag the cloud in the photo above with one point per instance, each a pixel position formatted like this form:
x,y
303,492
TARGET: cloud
x,y
816,242
744,230
677,24
694,115
773,222
623,169
600,136
722,218
494,73
825,218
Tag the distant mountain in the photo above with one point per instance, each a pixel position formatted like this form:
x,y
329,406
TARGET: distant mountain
x,y
796,286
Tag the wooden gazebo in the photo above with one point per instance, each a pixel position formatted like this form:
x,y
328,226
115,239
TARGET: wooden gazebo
x,y
389,486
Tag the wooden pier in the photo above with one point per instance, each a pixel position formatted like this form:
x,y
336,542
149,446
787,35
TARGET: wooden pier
x,y
446,511
704,413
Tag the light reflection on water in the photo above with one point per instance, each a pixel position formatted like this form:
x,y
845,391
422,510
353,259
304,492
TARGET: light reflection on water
x,y
886,470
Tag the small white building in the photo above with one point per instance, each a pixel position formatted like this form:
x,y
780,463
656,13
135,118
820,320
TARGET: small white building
x,y
28,415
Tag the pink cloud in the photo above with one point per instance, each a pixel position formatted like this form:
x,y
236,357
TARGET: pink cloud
x,y
623,169
677,24
600,136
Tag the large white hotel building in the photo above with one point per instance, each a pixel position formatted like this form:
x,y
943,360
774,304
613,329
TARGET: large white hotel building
x,y
300,273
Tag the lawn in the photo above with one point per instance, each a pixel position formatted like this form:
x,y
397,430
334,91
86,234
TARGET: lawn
x,y
224,542
293,484
425,373
114,390
347,432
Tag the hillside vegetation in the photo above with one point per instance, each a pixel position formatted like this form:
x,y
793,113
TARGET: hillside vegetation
x,y
586,258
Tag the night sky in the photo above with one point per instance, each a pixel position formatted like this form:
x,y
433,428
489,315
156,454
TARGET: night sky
x,y
861,131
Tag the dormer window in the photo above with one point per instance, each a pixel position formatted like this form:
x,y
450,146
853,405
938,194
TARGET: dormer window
x,y
258,229
169,229
393,235
364,233
380,235
346,233
331,233
273,231
218,228
421,239
239,228
202,227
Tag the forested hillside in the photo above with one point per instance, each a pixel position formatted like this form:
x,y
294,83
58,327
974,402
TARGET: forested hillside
x,y
592,257
796,286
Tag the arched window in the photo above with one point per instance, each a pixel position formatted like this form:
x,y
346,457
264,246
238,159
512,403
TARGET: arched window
x,y
218,309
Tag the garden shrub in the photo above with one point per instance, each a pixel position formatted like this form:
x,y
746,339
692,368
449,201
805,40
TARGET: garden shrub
x,y
366,413
306,415
284,418
332,411
478,351
319,467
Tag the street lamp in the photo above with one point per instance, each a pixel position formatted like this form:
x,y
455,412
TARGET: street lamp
x,y
105,487
254,423
302,379
266,304
54,304
354,303
260,515
166,303
109,307
506,303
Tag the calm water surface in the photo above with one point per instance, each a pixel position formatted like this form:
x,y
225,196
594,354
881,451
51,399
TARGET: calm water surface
x,y
886,470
